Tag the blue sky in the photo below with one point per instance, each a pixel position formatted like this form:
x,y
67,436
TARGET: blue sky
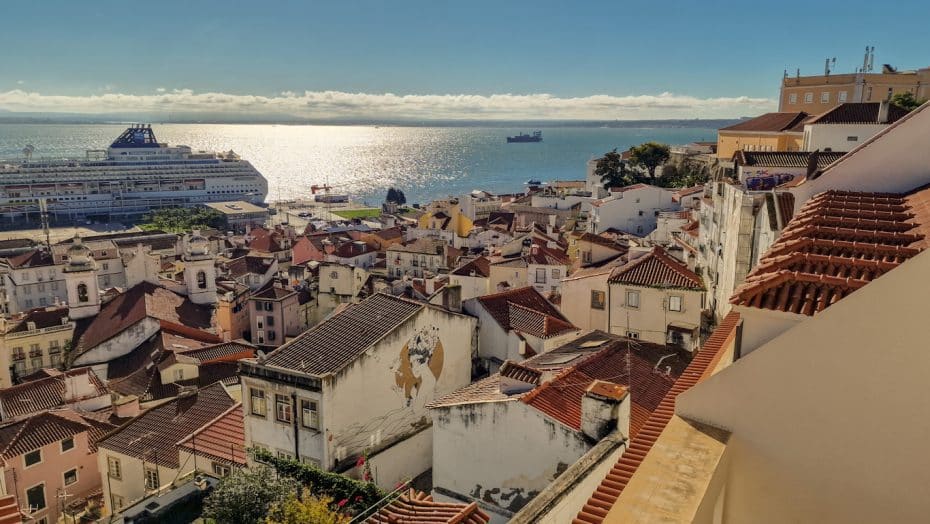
x,y
72,55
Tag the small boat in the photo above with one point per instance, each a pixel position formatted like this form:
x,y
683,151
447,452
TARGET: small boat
x,y
533,182
523,137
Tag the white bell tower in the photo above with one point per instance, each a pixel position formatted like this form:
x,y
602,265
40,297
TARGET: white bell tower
x,y
81,280
199,270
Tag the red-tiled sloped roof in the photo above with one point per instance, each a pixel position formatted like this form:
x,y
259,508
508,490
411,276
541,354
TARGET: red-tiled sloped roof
x,y
225,352
796,159
140,301
9,510
222,439
657,269
533,314
481,266
154,434
859,113
42,429
599,240
511,369
609,490
415,507
47,392
42,317
837,243
34,258
769,122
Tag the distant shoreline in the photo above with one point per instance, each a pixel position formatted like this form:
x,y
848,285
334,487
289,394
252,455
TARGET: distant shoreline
x,y
542,124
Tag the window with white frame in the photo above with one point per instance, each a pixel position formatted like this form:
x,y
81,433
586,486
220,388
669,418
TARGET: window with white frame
x,y
221,470
151,478
825,97
257,402
632,334
35,497
598,299
70,476
32,458
114,468
540,276
841,97
282,408
793,98
808,97
309,414
674,303
632,298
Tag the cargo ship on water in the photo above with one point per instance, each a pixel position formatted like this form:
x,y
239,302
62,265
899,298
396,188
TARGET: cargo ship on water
x,y
523,137
136,174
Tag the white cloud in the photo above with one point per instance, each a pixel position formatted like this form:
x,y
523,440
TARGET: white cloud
x,y
20,82
337,104
160,90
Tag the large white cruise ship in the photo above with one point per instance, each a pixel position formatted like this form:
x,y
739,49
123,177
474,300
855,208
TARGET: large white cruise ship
x,y
134,175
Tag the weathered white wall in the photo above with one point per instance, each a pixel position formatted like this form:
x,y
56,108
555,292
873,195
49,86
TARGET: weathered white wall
x,y
500,452
652,317
131,487
121,344
622,210
471,286
835,137
576,296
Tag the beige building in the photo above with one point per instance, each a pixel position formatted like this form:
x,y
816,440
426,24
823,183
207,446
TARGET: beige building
x,y
33,341
819,93
768,132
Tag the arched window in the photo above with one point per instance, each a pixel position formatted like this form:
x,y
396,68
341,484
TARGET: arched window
x,y
82,292
201,280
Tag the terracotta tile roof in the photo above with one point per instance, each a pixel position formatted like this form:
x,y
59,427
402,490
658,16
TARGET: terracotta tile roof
x,y
141,301
415,507
390,233
769,122
154,435
599,240
481,266
9,511
609,490
48,392
511,369
425,245
273,292
686,191
837,243
525,309
657,269
859,113
222,439
339,340
224,352
795,159
34,258
43,318
248,264
630,364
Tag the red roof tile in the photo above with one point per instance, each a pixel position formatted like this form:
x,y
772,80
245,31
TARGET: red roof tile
x,y
415,507
526,310
609,490
481,266
48,391
657,269
769,122
859,113
9,510
837,243
222,439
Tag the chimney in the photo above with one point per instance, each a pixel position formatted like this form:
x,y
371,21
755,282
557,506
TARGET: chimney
x,y
452,298
126,407
812,164
883,107
605,406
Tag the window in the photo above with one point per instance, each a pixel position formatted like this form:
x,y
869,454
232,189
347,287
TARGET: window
x,y
852,139
808,98
271,335
70,477
540,276
35,497
36,361
825,97
258,306
269,306
54,347
640,212
598,299
67,444
282,408
220,469
556,274
257,401
284,455
674,303
201,280
261,337
151,478
632,334
118,502
32,458
82,292
106,266
269,320
334,275
178,375
841,97
793,98
114,468
309,416
632,299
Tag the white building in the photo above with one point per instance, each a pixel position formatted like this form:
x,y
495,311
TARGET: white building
x,y
479,204
422,257
632,208
474,278
502,440
358,384
848,125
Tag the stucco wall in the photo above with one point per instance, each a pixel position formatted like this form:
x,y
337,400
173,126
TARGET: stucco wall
x,y
121,344
576,296
502,453
651,318
622,211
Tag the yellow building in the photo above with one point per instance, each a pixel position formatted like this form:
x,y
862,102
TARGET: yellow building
x,y
820,93
36,340
769,132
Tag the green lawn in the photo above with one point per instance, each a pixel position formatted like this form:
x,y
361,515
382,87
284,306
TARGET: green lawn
x,y
368,212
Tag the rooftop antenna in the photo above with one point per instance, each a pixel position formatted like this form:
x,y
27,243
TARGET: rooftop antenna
x,y
28,150
872,59
865,60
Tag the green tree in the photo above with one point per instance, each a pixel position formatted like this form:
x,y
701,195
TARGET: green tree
x,y
613,171
245,497
649,156
305,510
687,174
907,101
396,196
183,220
